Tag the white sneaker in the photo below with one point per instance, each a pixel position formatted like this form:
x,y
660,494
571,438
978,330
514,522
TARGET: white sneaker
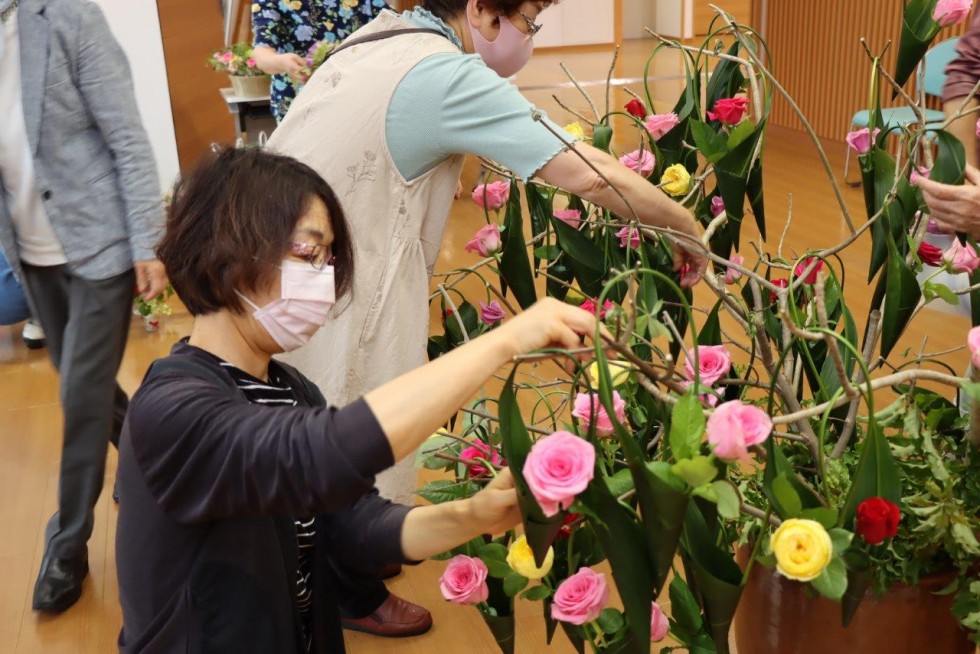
x,y
33,335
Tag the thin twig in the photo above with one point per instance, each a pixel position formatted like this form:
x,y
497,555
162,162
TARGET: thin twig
x,y
851,421
587,97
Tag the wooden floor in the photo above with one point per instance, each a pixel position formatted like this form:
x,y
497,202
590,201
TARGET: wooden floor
x,y
30,419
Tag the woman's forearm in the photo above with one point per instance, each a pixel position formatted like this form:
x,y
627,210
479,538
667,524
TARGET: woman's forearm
x,y
267,59
431,530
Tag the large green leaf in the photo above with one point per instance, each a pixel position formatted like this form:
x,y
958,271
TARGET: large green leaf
x,y
515,267
584,258
665,526
710,143
732,174
876,475
686,427
902,294
602,136
950,166
710,333
918,31
900,210
756,197
726,79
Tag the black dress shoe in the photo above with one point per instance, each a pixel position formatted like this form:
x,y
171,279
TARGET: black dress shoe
x,y
59,584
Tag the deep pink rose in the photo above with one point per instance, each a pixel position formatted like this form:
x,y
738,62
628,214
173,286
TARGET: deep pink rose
x,y
485,242
973,342
734,426
659,625
491,313
806,263
930,255
730,111
918,172
629,237
861,139
465,580
950,12
588,404
642,162
660,124
590,306
961,258
580,598
571,217
717,206
480,450
714,363
779,282
557,469
491,196
731,274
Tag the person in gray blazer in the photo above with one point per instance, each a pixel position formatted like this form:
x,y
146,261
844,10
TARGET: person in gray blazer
x,y
80,214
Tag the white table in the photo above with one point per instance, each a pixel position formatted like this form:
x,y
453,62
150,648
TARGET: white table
x,y
245,108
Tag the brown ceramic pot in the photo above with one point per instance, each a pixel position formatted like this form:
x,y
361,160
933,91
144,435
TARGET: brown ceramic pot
x,y
778,616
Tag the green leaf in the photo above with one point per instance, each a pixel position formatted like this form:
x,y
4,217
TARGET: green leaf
x,y
446,490
665,525
826,517
697,471
710,333
684,608
918,31
515,267
498,569
585,259
424,457
789,500
602,136
548,252
950,166
514,583
972,389
728,499
710,143
537,593
902,294
841,539
494,551
757,198
777,464
739,133
620,483
686,428
832,582
611,621
876,475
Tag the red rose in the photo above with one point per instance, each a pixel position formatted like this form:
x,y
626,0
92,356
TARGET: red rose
x,y
801,268
730,111
567,527
636,108
781,283
930,255
877,520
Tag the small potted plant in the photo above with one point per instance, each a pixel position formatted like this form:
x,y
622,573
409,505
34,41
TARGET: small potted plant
x,y
246,78
152,310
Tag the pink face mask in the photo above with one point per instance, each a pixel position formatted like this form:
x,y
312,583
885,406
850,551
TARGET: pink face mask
x,y
307,295
508,53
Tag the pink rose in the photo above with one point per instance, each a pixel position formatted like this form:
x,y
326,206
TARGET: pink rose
x,y
465,581
977,128
571,217
734,426
950,12
226,57
660,124
629,237
731,274
730,111
961,258
861,139
480,450
588,405
557,469
717,206
580,598
485,242
250,62
806,263
590,306
714,363
973,342
642,162
491,196
659,625
491,313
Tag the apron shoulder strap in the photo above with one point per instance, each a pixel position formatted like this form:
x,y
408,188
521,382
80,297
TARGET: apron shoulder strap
x,y
380,36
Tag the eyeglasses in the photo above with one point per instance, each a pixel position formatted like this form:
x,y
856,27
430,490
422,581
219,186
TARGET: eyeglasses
x,y
532,27
318,256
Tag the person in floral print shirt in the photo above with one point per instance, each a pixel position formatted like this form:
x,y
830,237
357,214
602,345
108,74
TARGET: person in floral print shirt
x,y
285,30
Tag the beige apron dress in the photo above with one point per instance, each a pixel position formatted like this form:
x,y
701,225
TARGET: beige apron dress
x,y
337,127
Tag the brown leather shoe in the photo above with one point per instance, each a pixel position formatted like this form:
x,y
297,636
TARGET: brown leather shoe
x,y
395,618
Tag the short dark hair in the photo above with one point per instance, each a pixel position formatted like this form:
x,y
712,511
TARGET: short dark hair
x,y
446,9
230,222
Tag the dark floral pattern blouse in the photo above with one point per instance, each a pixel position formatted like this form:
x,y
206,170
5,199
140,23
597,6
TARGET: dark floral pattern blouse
x,y
295,25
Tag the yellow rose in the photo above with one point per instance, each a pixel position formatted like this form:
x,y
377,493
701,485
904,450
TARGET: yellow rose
x,y
619,372
575,129
520,558
803,549
676,180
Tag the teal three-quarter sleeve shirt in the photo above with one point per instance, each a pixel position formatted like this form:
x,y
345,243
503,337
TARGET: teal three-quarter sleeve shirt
x,y
454,104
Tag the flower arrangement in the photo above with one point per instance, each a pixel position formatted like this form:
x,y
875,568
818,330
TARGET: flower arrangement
x,y
318,52
151,310
237,61
793,438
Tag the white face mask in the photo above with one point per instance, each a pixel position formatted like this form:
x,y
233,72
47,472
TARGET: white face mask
x,y
306,298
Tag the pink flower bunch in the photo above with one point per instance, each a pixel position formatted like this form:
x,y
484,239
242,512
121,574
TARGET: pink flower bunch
x,y
660,124
629,237
734,427
732,275
491,313
961,258
806,263
589,409
557,469
950,12
862,139
642,162
714,362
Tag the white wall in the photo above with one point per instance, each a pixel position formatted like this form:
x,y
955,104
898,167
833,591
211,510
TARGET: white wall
x,y
674,18
637,15
577,22
136,26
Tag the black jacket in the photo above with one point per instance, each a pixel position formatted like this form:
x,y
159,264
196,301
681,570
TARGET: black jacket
x,y
209,484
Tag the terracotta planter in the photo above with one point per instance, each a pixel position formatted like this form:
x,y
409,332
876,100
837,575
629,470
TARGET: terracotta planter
x,y
250,87
778,616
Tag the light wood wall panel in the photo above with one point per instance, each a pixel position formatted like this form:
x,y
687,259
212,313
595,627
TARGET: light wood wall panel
x,y
818,58
741,10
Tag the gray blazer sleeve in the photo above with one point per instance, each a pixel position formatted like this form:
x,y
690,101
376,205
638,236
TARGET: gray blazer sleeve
x,y
105,82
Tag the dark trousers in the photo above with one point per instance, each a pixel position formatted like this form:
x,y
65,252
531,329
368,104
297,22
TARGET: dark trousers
x,y
358,594
86,324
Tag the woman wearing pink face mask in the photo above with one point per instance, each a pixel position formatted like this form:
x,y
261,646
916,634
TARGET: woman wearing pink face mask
x,y
242,494
413,93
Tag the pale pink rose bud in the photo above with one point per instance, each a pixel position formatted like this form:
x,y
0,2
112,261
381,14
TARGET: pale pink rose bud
x,y
714,363
629,237
491,196
571,217
861,139
491,313
557,469
588,405
734,427
950,12
659,625
732,275
642,162
961,258
580,598
485,242
465,580
717,206
660,124
973,342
